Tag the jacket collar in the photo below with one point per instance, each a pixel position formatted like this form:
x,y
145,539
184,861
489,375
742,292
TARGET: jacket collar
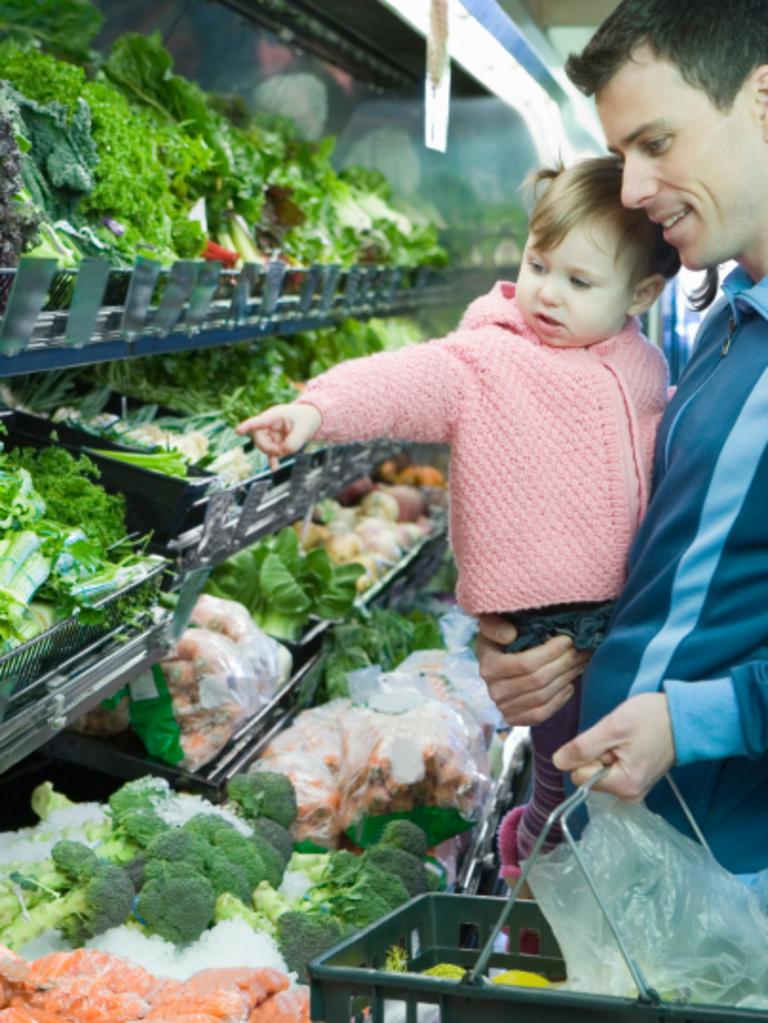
x,y
743,294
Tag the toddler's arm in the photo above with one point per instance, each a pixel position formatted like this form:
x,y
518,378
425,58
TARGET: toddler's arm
x,y
282,429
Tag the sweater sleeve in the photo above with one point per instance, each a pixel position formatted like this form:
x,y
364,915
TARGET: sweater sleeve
x,y
412,394
723,717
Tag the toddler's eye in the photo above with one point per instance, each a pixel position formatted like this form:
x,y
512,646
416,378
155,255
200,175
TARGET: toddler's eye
x,y
536,266
579,282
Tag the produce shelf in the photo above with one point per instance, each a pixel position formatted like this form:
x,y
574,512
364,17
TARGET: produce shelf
x,y
239,516
79,683
61,318
124,756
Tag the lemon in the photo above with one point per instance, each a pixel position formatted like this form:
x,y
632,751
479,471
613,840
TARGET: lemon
x,y
521,978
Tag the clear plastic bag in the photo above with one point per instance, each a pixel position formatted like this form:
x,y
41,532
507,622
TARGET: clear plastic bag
x,y
695,930
309,752
270,662
404,749
188,706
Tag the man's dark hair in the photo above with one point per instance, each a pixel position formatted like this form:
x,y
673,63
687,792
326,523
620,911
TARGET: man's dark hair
x,y
713,44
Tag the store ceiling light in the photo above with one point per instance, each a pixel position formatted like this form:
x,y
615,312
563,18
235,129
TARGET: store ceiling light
x,y
481,39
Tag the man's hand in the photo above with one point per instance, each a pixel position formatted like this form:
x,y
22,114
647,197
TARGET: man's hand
x,y
527,687
635,741
282,429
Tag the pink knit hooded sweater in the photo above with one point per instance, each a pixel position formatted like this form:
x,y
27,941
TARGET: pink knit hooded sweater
x,y
551,448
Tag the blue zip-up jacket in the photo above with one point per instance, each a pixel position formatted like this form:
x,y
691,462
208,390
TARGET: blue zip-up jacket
x,y
692,619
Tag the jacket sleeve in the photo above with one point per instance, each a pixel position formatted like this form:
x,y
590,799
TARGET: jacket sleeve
x,y
415,393
723,717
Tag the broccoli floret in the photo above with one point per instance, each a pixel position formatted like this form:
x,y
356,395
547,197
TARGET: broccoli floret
x,y
208,826
132,832
408,868
45,799
404,834
178,845
274,867
312,865
228,907
141,825
177,908
272,904
356,891
264,794
135,870
74,859
303,936
275,834
103,901
139,794
164,869
226,876
244,854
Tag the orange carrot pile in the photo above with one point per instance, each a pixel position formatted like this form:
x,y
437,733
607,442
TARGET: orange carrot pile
x,y
86,986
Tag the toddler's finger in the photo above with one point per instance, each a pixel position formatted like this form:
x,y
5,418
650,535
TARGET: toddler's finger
x,y
263,421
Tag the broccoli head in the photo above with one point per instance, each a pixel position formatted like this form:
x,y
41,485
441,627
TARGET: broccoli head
x,y
177,908
243,853
408,868
404,834
75,860
264,794
208,825
102,901
303,936
275,834
356,891
274,867
226,876
141,825
178,845
142,793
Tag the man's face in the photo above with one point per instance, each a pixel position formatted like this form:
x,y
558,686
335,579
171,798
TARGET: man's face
x,y
700,171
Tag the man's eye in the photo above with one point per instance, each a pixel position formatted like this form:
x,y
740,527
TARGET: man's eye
x,y
654,147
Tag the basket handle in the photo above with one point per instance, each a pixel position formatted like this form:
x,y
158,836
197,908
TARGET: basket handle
x,y
561,813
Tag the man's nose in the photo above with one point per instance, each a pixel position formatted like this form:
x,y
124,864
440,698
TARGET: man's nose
x,y
638,184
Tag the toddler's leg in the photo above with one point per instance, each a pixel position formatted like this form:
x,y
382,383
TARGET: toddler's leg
x,y
523,824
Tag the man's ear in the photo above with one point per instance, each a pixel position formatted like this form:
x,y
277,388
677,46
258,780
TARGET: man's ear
x,y
757,82
645,293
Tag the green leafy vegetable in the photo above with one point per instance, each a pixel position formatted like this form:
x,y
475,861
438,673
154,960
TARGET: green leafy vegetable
x,y
281,586
65,26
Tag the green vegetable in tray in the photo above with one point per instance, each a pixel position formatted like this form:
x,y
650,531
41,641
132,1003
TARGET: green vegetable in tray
x,y
281,586
65,26
167,463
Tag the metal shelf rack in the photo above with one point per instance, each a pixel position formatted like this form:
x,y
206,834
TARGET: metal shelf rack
x,y
54,319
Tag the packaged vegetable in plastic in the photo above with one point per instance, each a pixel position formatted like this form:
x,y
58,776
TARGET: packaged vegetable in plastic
x,y
406,753
270,661
309,752
695,930
453,674
186,708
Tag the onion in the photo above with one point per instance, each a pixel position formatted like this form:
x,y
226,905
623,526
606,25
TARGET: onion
x,y
343,548
410,501
380,505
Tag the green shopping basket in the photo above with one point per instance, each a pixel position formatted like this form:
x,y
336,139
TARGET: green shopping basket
x,y
350,985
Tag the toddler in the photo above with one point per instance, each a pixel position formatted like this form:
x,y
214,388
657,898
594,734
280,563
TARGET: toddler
x,y
549,397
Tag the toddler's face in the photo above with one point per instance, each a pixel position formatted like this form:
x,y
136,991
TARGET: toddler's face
x,y
578,293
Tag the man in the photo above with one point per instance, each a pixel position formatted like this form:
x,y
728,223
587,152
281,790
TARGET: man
x,y
682,677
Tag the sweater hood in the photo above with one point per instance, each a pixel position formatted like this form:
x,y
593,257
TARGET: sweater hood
x,y
499,309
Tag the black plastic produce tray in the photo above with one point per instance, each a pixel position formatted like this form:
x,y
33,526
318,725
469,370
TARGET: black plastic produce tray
x,y
349,984
22,668
161,504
